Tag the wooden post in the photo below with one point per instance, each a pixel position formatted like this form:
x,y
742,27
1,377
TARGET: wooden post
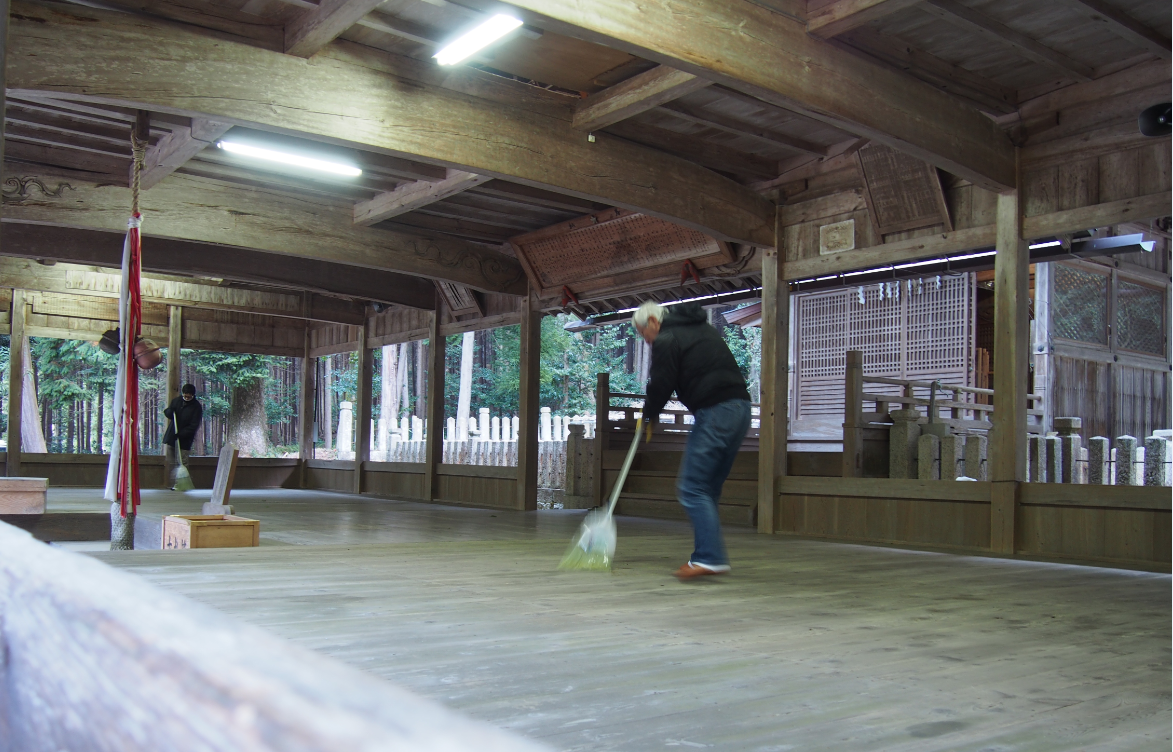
x,y
174,344
527,440
775,380
434,449
16,345
1007,452
602,405
362,436
853,416
305,442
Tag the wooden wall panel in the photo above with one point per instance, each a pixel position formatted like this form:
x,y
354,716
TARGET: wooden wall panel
x,y
89,471
1121,537
329,475
1080,388
1114,176
941,523
333,339
391,484
499,493
1141,401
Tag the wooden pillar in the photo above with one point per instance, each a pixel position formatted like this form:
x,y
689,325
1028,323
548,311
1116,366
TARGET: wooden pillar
x,y
362,410
775,380
527,439
434,448
1007,452
853,415
16,346
306,410
602,439
174,345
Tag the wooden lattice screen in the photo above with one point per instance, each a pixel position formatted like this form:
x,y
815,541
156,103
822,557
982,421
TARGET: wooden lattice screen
x,y
919,329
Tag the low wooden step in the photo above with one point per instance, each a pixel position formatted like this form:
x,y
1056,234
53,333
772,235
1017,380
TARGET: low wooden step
x,y
663,497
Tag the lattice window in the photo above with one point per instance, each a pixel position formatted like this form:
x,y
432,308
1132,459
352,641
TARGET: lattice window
x,y
1079,305
1140,318
938,328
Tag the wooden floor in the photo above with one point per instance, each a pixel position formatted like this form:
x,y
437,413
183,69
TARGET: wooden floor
x,y
806,646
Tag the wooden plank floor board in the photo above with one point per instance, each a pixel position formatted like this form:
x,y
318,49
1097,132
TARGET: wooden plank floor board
x,y
808,645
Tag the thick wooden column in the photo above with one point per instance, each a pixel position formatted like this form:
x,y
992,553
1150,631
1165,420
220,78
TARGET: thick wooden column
x,y
306,410
434,449
602,440
1007,452
527,439
174,345
775,377
16,346
362,410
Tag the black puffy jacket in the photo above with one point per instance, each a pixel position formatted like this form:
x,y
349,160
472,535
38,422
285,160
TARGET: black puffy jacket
x,y
188,415
689,357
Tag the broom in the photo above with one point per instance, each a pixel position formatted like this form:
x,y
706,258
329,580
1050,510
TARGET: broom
x,y
593,548
182,476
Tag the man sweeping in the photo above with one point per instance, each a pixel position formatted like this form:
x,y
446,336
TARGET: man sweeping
x,y
689,357
184,415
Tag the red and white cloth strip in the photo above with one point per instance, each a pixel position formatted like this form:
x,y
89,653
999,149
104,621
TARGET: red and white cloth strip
x,y
122,479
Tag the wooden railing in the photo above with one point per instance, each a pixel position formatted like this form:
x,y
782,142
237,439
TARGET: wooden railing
x,y
970,409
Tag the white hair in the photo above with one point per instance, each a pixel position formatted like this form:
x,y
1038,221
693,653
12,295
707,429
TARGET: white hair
x,y
649,309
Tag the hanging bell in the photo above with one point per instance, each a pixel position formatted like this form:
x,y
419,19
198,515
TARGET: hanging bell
x,y
109,343
147,354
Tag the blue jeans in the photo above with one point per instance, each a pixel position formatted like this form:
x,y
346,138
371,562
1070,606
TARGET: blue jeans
x,y
712,446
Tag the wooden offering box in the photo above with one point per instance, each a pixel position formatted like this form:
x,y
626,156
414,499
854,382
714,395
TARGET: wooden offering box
x,y
210,531
23,495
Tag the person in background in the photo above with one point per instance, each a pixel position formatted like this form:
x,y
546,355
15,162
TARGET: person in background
x,y
690,357
186,412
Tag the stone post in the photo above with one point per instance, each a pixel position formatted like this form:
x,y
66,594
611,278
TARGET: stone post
x,y
952,455
1155,452
975,457
345,441
1037,459
1054,460
928,457
495,428
483,424
1070,444
544,428
1125,461
902,439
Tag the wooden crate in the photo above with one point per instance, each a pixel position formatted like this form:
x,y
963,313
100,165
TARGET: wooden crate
x,y
23,495
210,531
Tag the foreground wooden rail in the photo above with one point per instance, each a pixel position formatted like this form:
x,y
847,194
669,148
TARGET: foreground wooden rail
x,y
97,659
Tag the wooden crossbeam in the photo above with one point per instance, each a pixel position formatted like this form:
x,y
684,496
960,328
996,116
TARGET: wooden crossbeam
x,y
1124,26
411,196
770,56
968,18
637,94
175,149
350,94
845,15
312,30
729,125
167,256
188,207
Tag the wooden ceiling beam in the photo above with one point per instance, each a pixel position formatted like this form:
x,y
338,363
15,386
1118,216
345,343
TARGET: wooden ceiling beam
x,y
193,208
351,95
972,20
845,15
398,27
175,149
312,30
730,125
711,155
166,256
1124,26
411,196
637,94
771,57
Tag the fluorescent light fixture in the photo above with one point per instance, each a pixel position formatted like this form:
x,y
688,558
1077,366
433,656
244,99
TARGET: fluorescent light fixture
x,y
968,256
295,160
1148,245
477,39
913,264
1048,244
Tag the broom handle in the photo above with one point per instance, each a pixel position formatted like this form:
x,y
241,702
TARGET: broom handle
x,y
178,451
626,466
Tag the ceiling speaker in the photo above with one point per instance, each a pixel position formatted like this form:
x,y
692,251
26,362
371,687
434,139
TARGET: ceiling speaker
x,y
1155,121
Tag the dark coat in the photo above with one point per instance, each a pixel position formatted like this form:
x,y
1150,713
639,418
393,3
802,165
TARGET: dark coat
x,y
689,357
188,415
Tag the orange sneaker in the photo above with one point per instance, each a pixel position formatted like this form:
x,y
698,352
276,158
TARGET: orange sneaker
x,y
692,570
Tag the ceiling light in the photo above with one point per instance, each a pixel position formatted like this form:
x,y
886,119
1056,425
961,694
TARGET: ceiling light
x,y
1047,244
296,160
477,39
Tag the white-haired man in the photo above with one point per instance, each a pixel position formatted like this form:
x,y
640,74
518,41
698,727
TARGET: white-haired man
x,y
689,357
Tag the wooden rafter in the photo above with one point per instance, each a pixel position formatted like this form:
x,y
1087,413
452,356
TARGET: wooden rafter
x,y
845,15
770,56
314,29
968,18
731,125
711,155
411,196
176,148
637,94
1124,26
349,97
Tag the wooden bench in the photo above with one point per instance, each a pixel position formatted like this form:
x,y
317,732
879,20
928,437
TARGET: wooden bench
x,y
23,495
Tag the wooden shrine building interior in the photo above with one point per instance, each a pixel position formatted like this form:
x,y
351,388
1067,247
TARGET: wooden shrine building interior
x,y
798,156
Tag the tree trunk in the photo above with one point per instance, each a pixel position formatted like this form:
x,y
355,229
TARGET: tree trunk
x,y
32,437
404,398
328,404
247,429
388,393
464,396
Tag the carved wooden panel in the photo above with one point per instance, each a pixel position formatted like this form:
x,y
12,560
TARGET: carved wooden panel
x,y
460,299
609,244
902,192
